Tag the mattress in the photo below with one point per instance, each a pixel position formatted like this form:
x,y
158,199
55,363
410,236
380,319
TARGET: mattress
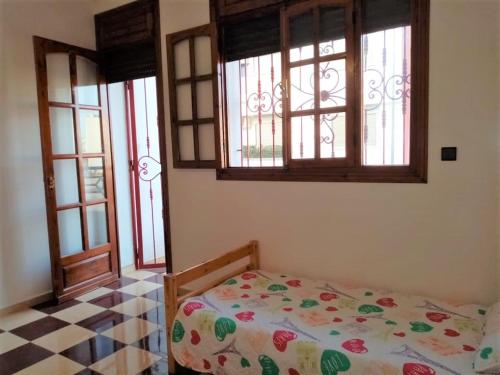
x,y
270,324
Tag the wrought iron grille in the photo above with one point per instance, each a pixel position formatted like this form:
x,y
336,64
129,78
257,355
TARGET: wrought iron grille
x,y
253,87
147,176
255,111
332,94
386,96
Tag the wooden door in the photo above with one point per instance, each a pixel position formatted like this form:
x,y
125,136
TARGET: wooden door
x,y
78,171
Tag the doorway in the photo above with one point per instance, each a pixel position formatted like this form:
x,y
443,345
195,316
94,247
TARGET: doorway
x,y
140,193
145,172
82,187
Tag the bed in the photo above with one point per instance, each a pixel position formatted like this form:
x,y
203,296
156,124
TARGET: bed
x,y
251,321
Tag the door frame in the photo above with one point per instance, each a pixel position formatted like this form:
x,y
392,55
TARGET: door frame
x,y
162,137
134,179
87,260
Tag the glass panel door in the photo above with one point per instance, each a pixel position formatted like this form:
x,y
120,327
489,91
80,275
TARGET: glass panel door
x,y
79,172
77,167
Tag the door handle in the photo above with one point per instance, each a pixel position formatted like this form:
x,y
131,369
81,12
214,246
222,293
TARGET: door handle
x,y
283,85
51,183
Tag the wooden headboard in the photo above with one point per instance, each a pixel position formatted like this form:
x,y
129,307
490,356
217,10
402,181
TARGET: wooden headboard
x,y
173,282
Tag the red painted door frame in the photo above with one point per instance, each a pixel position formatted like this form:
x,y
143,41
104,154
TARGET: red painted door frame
x,y
134,181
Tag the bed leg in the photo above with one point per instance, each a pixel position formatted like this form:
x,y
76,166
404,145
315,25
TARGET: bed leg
x,y
254,257
170,311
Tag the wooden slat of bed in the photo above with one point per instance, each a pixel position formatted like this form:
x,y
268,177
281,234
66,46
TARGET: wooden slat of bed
x,y
174,280
212,265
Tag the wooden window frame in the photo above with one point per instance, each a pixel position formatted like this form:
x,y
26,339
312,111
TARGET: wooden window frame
x,y
415,172
348,108
192,80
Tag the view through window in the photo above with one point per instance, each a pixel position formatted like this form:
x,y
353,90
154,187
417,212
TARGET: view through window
x,y
255,109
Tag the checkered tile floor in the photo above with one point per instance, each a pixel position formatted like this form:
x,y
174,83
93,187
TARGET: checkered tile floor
x,y
116,329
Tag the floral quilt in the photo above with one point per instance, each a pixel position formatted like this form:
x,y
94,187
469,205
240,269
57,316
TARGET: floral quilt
x,y
270,324
488,354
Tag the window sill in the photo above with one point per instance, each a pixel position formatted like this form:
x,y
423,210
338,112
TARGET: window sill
x,y
396,174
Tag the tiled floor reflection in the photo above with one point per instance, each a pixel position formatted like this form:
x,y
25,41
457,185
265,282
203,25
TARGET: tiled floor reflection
x,y
117,329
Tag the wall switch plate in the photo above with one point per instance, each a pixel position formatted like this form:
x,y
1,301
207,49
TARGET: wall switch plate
x,y
448,153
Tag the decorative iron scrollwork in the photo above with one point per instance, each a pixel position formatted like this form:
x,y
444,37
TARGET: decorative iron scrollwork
x,y
149,168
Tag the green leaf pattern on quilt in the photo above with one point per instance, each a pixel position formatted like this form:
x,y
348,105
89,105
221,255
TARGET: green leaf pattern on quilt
x,y
332,362
368,309
486,352
224,327
420,327
177,332
244,362
277,287
308,303
269,367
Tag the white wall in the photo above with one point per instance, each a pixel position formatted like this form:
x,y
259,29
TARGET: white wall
x,y
99,6
24,250
439,238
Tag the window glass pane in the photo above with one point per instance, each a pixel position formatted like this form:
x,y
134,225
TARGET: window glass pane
x,y
204,99
331,47
62,130
255,111
70,231
97,224
332,135
58,78
301,53
184,106
332,83
203,55
186,142
66,179
302,137
386,96
332,30
206,141
236,101
90,131
301,37
93,170
181,53
87,88
302,88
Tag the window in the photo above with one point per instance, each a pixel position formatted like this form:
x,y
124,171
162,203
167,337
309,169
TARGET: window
x,y
325,90
191,98
254,111
318,47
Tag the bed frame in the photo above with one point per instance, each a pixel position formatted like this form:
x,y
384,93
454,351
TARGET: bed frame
x,y
174,282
